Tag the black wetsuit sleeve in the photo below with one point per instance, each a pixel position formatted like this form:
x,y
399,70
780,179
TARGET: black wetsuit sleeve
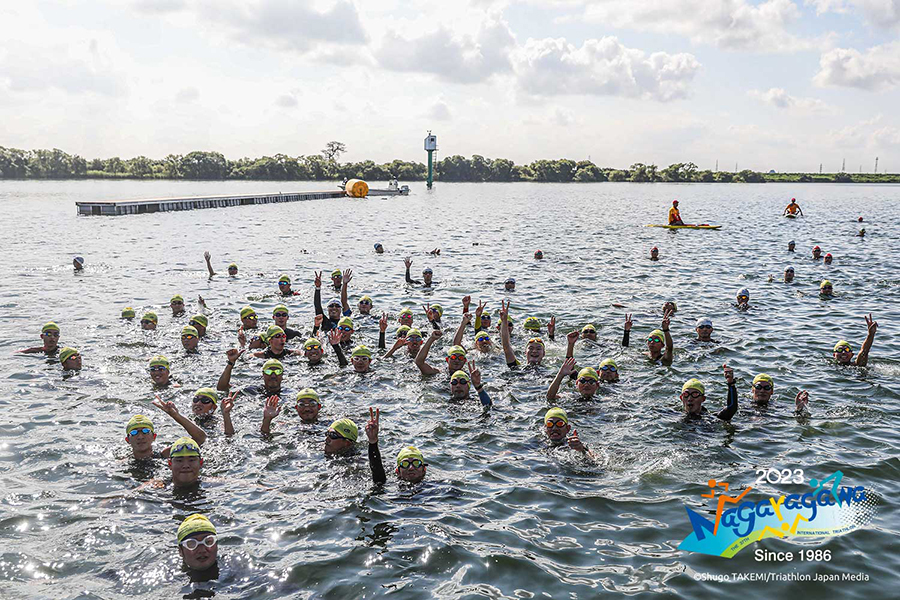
x,y
731,406
435,324
378,474
317,301
315,330
340,355
291,333
485,398
381,340
626,338
410,279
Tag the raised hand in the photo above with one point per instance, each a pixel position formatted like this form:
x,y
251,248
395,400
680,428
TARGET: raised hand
x,y
401,341
628,322
272,409
373,425
871,325
318,279
232,354
228,403
729,374
207,255
551,326
575,443
572,337
428,312
242,338
467,300
383,323
665,321
436,333
334,337
802,400
348,275
480,309
318,320
408,262
504,310
467,317
568,367
474,374
201,301
167,407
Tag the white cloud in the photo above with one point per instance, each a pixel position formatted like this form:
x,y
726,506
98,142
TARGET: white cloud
x,y
287,101
728,24
187,94
602,67
159,6
827,6
439,111
872,134
876,69
74,66
884,14
779,98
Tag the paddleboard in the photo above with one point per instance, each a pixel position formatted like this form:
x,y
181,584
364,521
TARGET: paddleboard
x,y
703,226
790,216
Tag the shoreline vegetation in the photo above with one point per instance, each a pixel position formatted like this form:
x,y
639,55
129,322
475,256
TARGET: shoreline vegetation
x,y
213,166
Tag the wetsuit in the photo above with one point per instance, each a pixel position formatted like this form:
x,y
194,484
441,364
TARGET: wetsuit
x,y
327,323
291,333
375,464
731,406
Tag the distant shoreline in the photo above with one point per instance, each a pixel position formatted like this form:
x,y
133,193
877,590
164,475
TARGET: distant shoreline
x,y
56,164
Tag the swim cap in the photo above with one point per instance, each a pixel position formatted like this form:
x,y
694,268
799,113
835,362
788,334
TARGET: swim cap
x,y
66,353
842,344
693,384
556,413
828,254
311,342
139,421
792,243
232,266
334,302
824,283
588,372
127,313
704,322
273,363
336,273
532,323
816,248
194,524
51,326
280,308
201,319
409,452
271,331
403,329
208,393
608,362
307,393
654,248
346,322
364,298
763,377
405,312
657,332
346,428
427,270
456,350
413,332
188,448
674,201
176,297
438,309
536,340
744,292
247,311
284,278
159,361
79,260
377,245
791,269
361,351
510,280
188,330
460,375
588,327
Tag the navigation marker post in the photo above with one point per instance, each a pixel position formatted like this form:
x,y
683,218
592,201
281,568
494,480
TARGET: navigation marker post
x,y
431,148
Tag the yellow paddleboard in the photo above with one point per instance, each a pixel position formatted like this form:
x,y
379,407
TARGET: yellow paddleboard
x,y
687,226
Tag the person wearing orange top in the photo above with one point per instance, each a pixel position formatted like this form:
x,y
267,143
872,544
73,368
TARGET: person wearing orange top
x,y
793,208
674,215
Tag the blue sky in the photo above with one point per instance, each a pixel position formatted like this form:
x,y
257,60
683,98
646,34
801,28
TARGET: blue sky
x,y
774,84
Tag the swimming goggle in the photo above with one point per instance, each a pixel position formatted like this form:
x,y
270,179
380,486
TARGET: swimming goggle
x,y
312,347
551,423
281,283
192,544
692,393
176,302
188,336
282,336
411,463
337,276
587,380
74,356
195,324
413,338
251,317
743,298
705,327
306,402
457,357
654,339
144,430
202,399
345,328
334,435
278,315
459,381
50,334
763,386
273,371
159,368
360,358
366,302
180,447
483,338
844,349
485,317
146,321
609,368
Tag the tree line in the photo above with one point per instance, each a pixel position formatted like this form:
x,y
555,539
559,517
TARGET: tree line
x,y
325,166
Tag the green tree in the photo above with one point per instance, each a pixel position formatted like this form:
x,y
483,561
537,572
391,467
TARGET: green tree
x,y
333,150
139,166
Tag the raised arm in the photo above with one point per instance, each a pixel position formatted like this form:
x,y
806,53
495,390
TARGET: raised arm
x,y
731,403
667,356
466,301
627,336
475,378
334,338
408,262
345,306
189,426
551,328
375,464
224,383
397,345
382,328
504,334
457,338
227,405
571,338
317,295
478,311
271,410
567,368
208,265
424,367
862,358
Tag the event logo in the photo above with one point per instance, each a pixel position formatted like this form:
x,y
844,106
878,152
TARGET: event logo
x,y
822,512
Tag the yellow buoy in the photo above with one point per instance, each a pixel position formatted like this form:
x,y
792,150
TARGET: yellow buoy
x,y
357,188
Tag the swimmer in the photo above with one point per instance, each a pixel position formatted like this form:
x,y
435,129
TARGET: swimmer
x,y
159,371
78,263
410,462
412,342
862,233
817,253
670,307
763,387
654,253
791,246
655,342
829,258
556,424
307,406
826,289
461,383
704,330
456,355
190,339
693,395
379,249
272,374
532,326
200,323
337,280
609,371
427,275
249,318
49,339
405,317
149,321
340,439
275,339
589,332
361,359
345,327
793,208
539,254
510,284
434,313
205,402
70,359
334,307
743,299
674,214
140,433
128,313
587,383
534,350
284,286
281,314
185,462
843,351
198,545
859,220
789,275
177,305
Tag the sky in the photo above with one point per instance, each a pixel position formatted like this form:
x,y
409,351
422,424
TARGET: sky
x,y
775,84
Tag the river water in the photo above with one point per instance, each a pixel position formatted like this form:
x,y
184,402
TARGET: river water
x,y
500,515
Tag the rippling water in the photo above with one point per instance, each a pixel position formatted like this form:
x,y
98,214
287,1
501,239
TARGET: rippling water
x,y
499,515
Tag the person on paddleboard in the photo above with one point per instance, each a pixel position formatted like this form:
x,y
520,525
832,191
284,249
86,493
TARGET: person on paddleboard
x,y
674,215
793,208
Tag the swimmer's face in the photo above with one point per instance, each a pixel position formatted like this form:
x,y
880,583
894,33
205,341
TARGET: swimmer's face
x,y
587,386
485,321
845,357
190,342
534,354
142,442
589,334
510,286
607,374
693,401
285,288
459,388
276,343
308,409
762,391
281,318
483,344
232,271
201,557
405,319
817,253
539,255
73,363
828,259
788,276
826,290
201,408
361,363
336,281
159,376
365,307
148,325
557,430
379,250
334,311
455,363
791,246
743,300
346,333
272,382
654,253
50,339
669,307
336,444
410,473
177,306
250,321
426,276
185,469
314,354
704,333
655,344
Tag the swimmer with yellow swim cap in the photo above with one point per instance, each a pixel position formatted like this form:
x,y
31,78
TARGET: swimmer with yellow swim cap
x,y
200,323
149,321
177,305
361,359
826,288
557,428
589,332
659,343
281,314
284,286
198,545
190,339
405,317
128,313
412,341
341,437
140,432
49,339
587,381
410,461
249,318
185,462
159,371
70,359
456,354
843,351
693,395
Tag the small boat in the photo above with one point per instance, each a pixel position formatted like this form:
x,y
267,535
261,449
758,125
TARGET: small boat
x,y
687,226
